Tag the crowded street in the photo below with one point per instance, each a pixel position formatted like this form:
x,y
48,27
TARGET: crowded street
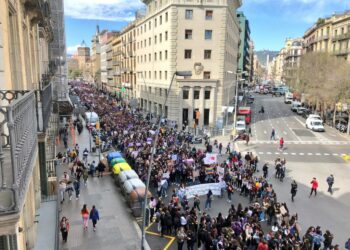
x,y
248,199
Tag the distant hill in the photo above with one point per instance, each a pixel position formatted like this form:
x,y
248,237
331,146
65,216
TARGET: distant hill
x,y
262,55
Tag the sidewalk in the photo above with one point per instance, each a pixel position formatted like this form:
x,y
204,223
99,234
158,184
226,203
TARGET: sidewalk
x,y
116,229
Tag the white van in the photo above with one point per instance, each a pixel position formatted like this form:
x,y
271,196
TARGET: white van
x,y
240,127
91,118
295,106
288,97
315,125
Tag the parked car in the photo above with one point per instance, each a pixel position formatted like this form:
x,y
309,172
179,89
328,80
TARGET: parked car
x,y
288,97
301,110
306,113
315,125
295,106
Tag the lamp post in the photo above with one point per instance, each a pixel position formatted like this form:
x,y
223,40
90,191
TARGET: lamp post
x,y
153,151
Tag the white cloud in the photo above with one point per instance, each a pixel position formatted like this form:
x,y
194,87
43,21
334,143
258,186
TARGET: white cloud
x,y
72,49
109,10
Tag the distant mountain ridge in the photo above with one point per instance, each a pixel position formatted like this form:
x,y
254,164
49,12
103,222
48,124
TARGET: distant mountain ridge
x,y
262,55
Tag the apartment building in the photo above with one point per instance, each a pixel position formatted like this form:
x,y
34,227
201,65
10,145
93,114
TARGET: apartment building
x,y
109,66
244,61
117,63
330,34
292,58
96,58
128,62
28,69
197,36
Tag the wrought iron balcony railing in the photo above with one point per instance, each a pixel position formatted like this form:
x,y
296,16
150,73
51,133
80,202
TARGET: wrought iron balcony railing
x,y
18,146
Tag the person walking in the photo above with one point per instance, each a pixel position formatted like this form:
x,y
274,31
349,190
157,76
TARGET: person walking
x,y
76,185
85,216
314,186
85,175
94,216
347,244
209,199
64,228
330,182
181,237
294,188
273,134
70,189
100,168
229,192
281,143
197,202
62,189
228,148
220,148
247,139
265,170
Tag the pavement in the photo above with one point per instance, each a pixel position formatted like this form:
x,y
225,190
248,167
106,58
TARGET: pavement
x,y
309,154
116,229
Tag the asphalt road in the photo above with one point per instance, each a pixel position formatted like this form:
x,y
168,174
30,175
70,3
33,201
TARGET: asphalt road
x,y
309,154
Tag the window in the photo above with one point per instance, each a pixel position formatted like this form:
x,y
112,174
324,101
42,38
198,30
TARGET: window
x,y
166,75
149,25
166,55
160,77
188,54
160,89
189,14
160,37
149,57
160,55
207,94
150,89
185,94
166,35
206,117
207,54
155,39
155,56
145,27
145,58
149,75
155,22
188,34
160,20
166,17
155,74
196,94
206,75
208,15
208,34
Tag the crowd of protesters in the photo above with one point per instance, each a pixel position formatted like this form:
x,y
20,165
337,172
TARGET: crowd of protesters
x,y
265,224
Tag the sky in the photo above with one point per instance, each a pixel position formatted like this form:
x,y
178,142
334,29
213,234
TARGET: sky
x,y
271,21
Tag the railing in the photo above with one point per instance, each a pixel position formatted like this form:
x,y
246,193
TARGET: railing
x,y
19,130
341,37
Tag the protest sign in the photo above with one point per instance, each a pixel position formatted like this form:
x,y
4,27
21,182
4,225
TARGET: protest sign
x,y
202,189
210,159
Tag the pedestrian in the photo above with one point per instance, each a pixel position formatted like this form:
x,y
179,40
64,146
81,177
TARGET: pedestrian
x,y
228,148
330,182
85,176
191,239
152,207
229,192
265,170
250,131
94,216
85,155
62,189
247,139
347,245
100,168
76,185
293,191
197,202
181,237
328,238
70,189
281,143
209,199
92,169
273,134
85,216
220,148
65,177
64,228
314,186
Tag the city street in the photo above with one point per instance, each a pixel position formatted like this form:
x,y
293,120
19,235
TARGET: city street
x,y
309,154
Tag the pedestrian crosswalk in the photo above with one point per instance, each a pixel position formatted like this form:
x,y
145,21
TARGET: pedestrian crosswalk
x,y
344,156
300,142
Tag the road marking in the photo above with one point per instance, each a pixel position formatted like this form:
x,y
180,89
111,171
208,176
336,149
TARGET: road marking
x,y
317,154
309,153
261,153
285,153
269,153
293,153
265,132
325,154
301,153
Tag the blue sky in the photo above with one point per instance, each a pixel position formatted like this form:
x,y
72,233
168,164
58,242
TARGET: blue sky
x,y
271,21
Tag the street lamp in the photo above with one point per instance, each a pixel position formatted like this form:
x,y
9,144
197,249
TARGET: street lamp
x,y
153,151
236,97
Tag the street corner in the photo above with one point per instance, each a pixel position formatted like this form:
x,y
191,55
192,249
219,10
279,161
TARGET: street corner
x,y
157,241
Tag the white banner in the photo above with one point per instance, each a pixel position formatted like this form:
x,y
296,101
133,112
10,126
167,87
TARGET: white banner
x,y
202,189
210,159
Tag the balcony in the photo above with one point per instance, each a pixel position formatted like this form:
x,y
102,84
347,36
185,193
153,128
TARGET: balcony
x,y
116,62
18,146
341,37
117,53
